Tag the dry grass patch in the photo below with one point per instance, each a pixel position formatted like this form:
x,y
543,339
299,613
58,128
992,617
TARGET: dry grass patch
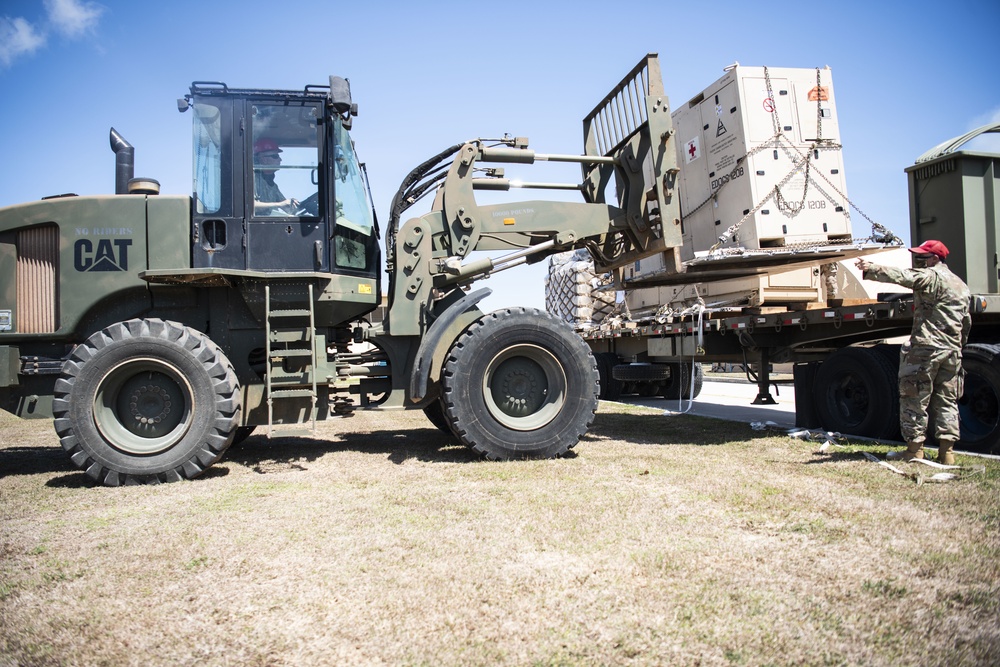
x,y
661,540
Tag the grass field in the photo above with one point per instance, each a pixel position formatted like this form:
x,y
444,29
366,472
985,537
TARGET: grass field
x,y
659,541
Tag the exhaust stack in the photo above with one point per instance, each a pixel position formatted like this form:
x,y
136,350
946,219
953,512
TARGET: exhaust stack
x,y
124,162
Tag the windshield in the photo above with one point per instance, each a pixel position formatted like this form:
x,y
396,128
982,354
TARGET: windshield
x,y
353,236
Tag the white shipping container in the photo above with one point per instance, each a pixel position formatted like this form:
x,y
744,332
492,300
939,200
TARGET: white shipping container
x,y
737,141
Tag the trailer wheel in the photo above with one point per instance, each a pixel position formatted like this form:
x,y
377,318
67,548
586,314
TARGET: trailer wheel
x,y
641,372
891,355
979,405
146,401
857,393
678,385
520,384
649,389
611,389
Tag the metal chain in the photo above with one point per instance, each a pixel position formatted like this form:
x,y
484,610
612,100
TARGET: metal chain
x,y
819,108
775,125
783,204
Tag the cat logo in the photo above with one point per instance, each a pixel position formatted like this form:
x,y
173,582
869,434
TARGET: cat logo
x,y
110,255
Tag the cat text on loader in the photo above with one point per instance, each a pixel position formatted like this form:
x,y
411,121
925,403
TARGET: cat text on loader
x,y
157,329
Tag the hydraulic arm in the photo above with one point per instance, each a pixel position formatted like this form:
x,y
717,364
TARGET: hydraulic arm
x,y
628,144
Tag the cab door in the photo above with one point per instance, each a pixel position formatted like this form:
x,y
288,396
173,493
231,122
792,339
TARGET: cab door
x,y
287,221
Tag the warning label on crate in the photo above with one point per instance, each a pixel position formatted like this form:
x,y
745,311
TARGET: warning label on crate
x,y
819,94
692,150
722,154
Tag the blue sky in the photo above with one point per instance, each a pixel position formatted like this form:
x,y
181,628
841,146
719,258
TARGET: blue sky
x,y
907,76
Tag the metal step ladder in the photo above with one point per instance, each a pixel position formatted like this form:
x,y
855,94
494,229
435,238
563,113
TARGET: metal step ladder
x,y
290,334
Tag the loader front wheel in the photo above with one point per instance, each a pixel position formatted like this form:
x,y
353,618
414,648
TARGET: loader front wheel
x,y
520,384
146,401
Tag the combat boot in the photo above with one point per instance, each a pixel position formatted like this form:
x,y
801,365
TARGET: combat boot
x,y
944,452
914,450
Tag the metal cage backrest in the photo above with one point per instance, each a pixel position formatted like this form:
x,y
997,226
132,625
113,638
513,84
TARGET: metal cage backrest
x,y
622,112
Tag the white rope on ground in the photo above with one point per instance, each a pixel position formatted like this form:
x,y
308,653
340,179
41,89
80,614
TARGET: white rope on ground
x,y
829,438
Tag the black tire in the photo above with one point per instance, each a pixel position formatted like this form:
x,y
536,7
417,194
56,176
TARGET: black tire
x,y
979,405
649,389
891,354
678,384
435,413
611,389
857,393
520,384
242,433
146,401
641,372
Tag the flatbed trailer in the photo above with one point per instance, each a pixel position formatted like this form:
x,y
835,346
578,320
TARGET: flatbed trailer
x,y
845,361
844,352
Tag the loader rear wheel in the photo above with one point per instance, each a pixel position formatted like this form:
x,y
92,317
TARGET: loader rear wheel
x,y
520,384
146,401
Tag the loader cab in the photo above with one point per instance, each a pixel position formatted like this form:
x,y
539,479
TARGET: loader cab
x,y
277,184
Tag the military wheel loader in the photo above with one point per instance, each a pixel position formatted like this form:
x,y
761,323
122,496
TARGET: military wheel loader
x,y
155,330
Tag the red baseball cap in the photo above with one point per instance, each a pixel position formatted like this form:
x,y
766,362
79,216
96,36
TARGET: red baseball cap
x,y
262,145
931,247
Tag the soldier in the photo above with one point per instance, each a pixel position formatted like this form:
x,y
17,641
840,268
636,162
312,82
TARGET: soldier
x,y
930,366
268,199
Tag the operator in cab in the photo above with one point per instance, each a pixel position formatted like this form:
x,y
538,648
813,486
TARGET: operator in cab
x,y
268,199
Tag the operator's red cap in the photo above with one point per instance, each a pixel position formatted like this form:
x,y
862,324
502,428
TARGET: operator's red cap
x,y
262,145
931,247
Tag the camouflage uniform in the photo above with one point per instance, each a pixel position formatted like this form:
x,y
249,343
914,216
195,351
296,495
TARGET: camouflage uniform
x,y
266,191
930,364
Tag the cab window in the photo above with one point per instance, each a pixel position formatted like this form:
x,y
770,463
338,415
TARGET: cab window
x,y
208,162
285,160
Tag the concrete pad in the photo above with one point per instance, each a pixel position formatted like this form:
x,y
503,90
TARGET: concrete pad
x,y
733,400
729,400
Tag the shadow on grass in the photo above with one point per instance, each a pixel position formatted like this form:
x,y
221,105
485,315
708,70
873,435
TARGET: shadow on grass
x,y
837,457
655,429
428,445
260,454
34,461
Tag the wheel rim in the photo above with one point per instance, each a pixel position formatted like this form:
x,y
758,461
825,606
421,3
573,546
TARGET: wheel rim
x,y
524,387
850,398
978,408
143,406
